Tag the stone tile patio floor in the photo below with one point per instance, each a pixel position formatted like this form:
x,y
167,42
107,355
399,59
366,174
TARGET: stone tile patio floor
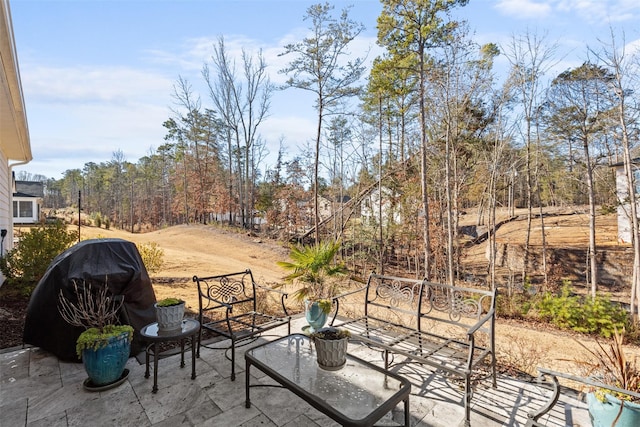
x,y
36,389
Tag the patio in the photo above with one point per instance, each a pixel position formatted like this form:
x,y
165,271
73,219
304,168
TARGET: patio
x,y
37,389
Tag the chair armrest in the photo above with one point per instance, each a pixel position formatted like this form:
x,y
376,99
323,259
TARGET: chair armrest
x,y
587,381
553,399
336,301
283,296
278,291
472,330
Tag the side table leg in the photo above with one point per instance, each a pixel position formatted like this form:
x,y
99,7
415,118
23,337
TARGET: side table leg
x,y
182,352
247,402
193,357
146,372
155,369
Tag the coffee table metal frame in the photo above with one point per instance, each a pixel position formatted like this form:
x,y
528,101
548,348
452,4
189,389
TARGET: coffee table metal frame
x,y
287,349
190,328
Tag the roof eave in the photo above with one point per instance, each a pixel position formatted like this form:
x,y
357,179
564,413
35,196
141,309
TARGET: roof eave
x,y
14,129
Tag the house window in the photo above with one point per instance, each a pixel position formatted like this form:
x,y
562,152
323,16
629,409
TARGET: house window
x,y
22,209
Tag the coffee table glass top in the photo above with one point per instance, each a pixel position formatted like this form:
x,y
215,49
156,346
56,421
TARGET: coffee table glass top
x,y
355,391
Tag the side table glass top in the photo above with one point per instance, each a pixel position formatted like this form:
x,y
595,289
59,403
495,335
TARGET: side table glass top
x,y
189,326
356,390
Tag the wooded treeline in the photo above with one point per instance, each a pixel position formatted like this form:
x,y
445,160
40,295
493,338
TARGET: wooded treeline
x,y
437,128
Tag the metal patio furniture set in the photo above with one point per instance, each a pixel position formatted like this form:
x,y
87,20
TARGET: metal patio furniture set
x,y
409,321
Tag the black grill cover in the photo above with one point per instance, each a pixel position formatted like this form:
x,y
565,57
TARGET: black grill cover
x,y
115,262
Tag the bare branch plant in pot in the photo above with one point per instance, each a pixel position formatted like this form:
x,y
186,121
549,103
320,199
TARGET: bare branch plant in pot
x,y
315,269
104,346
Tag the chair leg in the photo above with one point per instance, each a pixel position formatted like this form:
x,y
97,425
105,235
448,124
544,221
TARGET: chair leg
x,y
199,339
467,401
233,359
493,369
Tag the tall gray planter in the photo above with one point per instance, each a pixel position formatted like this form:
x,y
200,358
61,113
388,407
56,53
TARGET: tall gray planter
x,y
169,317
331,349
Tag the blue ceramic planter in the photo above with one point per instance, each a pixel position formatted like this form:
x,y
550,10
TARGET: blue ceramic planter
x,y
105,365
604,413
314,315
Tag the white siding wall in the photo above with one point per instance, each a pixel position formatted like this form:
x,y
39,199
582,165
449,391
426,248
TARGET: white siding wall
x,y
6,216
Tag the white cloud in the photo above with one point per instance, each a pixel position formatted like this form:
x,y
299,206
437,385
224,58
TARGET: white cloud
x,y
85,84
599,11
592,11
633,48
80,113
524,9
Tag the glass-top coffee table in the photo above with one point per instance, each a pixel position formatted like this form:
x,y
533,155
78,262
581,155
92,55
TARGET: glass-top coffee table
x,y
359,394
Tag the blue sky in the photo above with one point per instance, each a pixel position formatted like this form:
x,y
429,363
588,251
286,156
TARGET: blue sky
x,y
97,76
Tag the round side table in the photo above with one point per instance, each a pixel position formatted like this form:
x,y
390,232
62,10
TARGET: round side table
x,y
190,328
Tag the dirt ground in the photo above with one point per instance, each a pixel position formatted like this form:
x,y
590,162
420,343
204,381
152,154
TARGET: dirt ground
x,y
198,250
206,250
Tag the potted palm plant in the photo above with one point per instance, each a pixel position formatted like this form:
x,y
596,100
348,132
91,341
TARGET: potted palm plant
x,y
169,314
619,405
105,345
331,347
314,267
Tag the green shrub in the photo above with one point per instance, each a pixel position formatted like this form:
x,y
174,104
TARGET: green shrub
x,y
152,256
25,264
606,209
98,220
583,314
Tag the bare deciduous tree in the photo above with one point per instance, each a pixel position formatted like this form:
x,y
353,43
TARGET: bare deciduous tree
x,y
322,65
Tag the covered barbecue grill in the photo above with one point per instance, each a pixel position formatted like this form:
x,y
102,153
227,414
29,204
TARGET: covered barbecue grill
x,y
115,262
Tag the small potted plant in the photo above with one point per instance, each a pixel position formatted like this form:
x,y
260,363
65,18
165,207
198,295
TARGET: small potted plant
x,y
331,347
105,345
609,365
314,267
169,314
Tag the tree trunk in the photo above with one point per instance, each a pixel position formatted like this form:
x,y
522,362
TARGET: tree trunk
x,y
593,265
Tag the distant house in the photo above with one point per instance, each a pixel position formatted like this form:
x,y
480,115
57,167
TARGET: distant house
x,y
15,147
622,192
27,202
329,206
371,208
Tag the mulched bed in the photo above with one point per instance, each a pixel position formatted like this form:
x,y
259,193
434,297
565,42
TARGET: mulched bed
x,y
13,309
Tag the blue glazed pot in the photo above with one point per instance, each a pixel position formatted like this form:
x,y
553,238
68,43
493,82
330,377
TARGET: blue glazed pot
x,y
105,365
603,413
314,315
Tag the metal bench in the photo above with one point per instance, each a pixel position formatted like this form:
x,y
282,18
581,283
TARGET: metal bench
x,y
413,318
228,307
